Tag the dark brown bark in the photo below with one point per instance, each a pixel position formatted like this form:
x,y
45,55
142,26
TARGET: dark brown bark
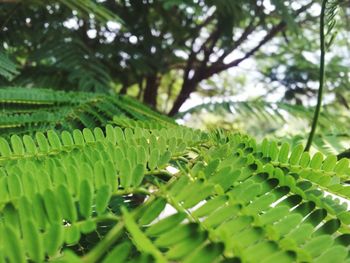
x,y
187,88
123,89
169,94
151,90
139,94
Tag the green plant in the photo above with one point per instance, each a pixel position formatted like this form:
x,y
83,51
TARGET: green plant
x,y
25,111
149,190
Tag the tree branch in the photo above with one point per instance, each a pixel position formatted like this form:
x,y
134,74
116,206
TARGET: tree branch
x,y
192,57
247,31
204,72
217,68
221,67
10,14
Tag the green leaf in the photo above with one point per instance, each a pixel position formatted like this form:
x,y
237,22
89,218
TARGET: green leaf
x,y
111,175
210,206
336,254
265,147
141,241
305,159
103,196
301,233
132,155
195,197
274,215
88,135
5,149
152,211
225,177
261,203
273,150
74,180
165,224
17,145
176,234
153,159
99,135
281,257
316,161
119,134
344,217
138,174
67,139
128,134
317,245
296,154
211,167
283,154
13,247
29,144
125,173
207,254
119,254
218,216
54,140
14,186
341,166
72,234
164,159
53,238
329,163
141,154
66,204
87,226
32,241
51,207
186,246
39,211
4,194
99,174
78,137
110,134
42,142
85,199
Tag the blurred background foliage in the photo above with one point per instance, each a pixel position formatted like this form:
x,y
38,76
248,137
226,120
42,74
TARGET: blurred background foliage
x,y
243,65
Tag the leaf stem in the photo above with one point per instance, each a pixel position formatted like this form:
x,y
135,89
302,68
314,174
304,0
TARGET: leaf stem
x,y
321,77
113,235
95,254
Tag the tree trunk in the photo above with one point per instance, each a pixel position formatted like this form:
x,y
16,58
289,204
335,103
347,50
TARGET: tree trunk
x,y
124,89
139,94
151,90
187,88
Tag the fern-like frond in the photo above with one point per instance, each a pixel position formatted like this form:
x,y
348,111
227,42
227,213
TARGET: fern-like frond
x,y
331,12
84,8
8,69
233,199
273,113
25,111
326,143
64,63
